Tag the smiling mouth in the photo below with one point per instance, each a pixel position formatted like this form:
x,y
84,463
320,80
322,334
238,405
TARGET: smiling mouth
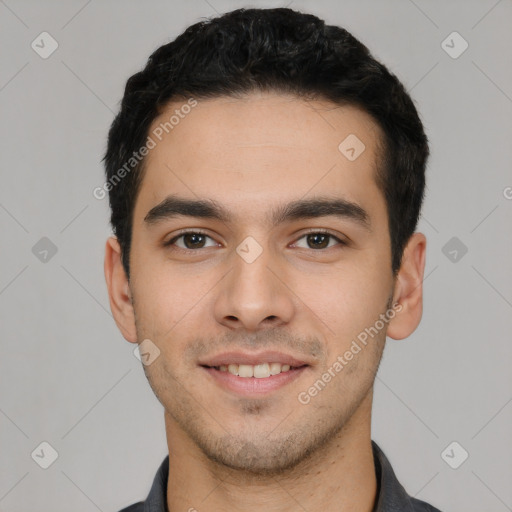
x,y
258,371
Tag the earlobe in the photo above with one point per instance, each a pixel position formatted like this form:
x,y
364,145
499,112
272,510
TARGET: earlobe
x,y
119,290
409,289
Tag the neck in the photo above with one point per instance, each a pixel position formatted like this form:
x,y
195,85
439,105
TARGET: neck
x,y
340,476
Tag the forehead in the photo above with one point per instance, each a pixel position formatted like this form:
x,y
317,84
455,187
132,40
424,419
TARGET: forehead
x,y
265,147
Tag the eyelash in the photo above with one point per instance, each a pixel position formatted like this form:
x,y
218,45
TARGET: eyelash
x,y
320,231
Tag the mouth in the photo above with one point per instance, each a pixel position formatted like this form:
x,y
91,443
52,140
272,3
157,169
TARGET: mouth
x,y
253,380
258,371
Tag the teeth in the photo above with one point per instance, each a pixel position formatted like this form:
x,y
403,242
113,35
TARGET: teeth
x,y
262,370
259,371
245,370
275,368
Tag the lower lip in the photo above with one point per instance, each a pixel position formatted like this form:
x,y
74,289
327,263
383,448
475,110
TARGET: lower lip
x,y
252,386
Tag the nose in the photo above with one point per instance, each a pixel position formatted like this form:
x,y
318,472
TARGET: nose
x,y
254,295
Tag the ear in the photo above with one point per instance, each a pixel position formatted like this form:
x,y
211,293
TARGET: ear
x,y
408,291
119,290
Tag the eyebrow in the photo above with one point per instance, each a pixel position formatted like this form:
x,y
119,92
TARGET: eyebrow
x,y
173,206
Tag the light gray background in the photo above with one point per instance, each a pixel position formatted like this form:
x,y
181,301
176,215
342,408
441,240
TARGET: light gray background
x,y
68,377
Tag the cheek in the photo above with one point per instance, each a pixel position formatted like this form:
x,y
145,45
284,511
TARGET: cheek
x,y
347,301
172,303
162,298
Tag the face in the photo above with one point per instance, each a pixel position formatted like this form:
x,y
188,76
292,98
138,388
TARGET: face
x,y
251,275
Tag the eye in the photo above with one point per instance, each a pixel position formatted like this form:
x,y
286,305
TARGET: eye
x,y
320,239
191,240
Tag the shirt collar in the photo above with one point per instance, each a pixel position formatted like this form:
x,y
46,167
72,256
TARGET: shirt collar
x,y
391,496
157,497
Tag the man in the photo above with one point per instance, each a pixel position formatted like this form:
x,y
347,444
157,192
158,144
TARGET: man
x,y
266,176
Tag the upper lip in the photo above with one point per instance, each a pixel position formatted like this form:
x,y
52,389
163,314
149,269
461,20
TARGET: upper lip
x,y
269,356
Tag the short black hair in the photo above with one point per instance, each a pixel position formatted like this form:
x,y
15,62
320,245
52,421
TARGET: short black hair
x,y
279,50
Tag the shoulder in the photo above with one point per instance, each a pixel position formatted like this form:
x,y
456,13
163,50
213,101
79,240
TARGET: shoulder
x,y
422,506
136,507
391,494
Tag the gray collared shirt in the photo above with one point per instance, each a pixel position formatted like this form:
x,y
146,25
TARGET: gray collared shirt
x,y
391,496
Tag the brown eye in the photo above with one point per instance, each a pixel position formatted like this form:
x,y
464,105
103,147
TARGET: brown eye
x,y
190,240
193,240
320,240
